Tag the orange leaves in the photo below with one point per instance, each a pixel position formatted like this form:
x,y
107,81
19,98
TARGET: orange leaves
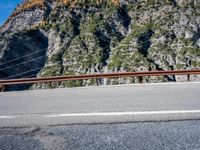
x,y
41,3
32,3
116,2
65,2
28,5
73,3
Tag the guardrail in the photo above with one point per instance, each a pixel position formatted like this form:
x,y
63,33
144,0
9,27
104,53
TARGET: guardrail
x,y
3,83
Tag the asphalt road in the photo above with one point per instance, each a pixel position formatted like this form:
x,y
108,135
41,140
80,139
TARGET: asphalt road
x,y
178,135
108,104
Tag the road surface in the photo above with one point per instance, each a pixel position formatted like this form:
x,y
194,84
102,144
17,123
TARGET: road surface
x,y
106,104
174,135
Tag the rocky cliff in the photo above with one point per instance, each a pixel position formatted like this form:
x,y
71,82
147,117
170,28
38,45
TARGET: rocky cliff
x,y
70,37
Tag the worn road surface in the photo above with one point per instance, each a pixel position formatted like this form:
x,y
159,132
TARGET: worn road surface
x,y
178,135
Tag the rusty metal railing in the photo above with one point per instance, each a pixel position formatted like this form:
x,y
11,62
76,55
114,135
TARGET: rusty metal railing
x,y
3,83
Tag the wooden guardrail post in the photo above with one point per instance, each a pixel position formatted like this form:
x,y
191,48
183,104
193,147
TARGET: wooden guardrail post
x,y
140,78
188,77
2,88
98,81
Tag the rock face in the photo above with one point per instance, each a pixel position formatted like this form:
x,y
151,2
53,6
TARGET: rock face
x,y
23,55
61,37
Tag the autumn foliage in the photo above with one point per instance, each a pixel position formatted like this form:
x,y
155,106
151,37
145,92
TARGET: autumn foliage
x,y
28,4
31,4
75,2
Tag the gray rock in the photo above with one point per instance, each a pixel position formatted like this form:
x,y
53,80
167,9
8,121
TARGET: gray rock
x,y
135,36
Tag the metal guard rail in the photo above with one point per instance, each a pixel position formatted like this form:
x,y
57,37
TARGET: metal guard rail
x,y
96,76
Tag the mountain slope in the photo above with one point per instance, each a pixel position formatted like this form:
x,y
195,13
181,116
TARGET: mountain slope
x,y
93,36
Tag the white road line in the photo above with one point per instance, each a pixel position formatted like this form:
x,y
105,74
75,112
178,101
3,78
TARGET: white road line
x,y
6,117
115,113
124,113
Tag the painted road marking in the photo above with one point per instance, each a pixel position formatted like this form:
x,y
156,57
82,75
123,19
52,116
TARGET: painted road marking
x,y
124,113
111,114
6,117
